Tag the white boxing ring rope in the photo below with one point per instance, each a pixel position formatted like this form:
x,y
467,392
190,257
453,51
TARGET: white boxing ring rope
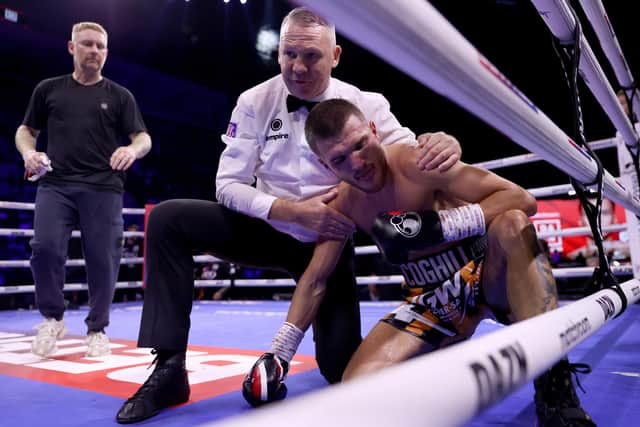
x,y
360,250
608,41
31,206
439,57
553,190
532,157
558,17
577,231
415,38
23,232
394,279
478,373
562,189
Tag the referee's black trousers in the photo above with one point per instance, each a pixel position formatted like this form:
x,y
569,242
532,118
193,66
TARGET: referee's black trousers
x,y
177,229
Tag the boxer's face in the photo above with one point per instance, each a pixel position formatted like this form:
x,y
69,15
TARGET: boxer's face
x,y
355,155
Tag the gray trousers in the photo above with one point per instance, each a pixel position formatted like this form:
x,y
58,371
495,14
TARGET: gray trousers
x,y
98,215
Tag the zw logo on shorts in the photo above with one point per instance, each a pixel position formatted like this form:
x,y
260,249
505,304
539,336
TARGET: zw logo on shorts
x,y
607,306
435,268
448,300
635,291
574,332
499,373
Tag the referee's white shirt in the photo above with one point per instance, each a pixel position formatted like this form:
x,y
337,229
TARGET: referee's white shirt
x,y
266,146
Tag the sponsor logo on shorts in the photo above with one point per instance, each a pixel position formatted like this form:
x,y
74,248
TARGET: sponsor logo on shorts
x,y
574,332
212,371
448,300
434,269
498,373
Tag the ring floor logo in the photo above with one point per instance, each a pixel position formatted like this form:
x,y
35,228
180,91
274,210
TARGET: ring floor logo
x,y
212,371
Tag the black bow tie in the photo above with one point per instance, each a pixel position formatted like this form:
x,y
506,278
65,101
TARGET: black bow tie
x,y
294,104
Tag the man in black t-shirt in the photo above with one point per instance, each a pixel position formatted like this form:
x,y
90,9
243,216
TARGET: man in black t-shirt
x,y
81,180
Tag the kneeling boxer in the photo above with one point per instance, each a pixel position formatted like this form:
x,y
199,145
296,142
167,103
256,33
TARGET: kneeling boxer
x,y
462,239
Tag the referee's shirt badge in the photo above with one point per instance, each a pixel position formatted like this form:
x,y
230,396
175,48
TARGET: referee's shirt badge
x,y
231,129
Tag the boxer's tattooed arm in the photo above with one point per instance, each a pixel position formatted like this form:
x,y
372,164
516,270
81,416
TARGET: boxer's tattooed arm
x,y
548,289
550,292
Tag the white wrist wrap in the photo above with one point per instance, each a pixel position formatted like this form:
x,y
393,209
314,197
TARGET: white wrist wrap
x,y
460,223
286,342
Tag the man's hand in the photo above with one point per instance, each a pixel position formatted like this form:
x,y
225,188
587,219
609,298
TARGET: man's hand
x,y
315,215
36,164
437,151
265,381
122,158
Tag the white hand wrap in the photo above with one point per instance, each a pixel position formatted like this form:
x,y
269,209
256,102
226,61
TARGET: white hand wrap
x,y
460,223
286,342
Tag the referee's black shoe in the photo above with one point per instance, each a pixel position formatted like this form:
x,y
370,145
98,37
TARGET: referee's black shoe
x,y
167,385
557,404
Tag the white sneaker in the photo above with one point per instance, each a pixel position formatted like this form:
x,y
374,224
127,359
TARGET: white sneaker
x,y
44,344
97,344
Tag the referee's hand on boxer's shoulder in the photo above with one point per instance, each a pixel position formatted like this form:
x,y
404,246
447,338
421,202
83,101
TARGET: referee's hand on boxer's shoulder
x,y
437,150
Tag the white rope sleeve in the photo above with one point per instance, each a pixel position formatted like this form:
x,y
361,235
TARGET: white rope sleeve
x,y
478,373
